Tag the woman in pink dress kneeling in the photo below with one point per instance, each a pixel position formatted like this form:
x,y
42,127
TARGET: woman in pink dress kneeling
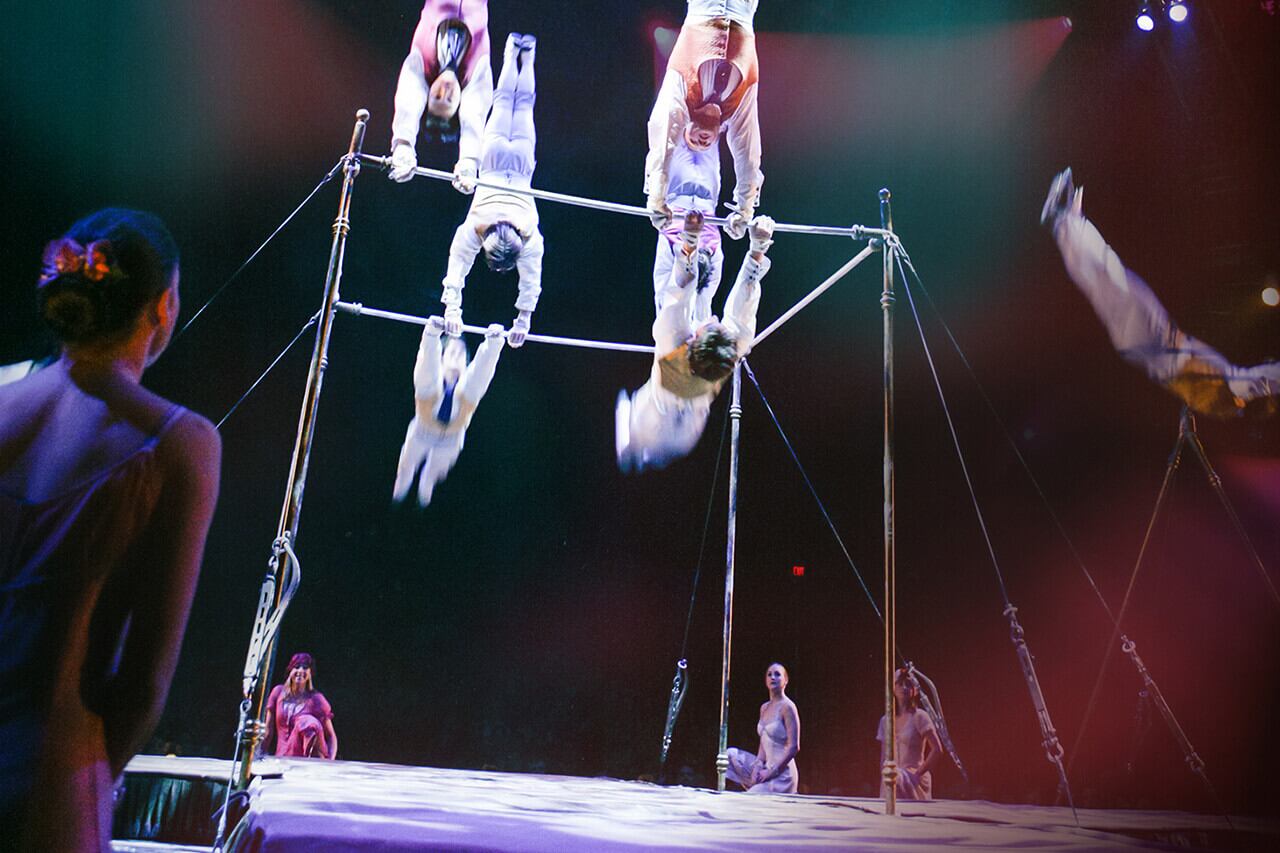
x,y
299,716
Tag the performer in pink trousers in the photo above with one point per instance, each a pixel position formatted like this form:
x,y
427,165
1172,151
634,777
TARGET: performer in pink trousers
x,y
709,88
446,75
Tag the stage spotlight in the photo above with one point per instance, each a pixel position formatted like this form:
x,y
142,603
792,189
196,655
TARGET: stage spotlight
x,y
1145,22
1177,12
1270,297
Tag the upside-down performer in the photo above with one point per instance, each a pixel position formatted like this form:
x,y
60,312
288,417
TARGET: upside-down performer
x,y
709,87
447,76
446,391
502,223
1139,326
693,183
664,419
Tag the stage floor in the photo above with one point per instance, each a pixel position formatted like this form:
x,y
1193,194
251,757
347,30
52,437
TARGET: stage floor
x,y
309,805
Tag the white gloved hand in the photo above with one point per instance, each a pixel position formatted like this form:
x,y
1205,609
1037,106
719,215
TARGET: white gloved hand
x,y
761,231
495,330
403,161
464,176
692,231
519,328
659,213
413,455
435,326
736,225
453,320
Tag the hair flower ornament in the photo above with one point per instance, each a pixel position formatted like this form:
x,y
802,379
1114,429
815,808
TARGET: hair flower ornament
x,y
67,257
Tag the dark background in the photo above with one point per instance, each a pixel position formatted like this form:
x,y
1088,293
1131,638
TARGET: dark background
x,y
531,619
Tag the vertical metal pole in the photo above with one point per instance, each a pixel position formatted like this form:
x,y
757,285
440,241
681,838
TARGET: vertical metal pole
x,y
890,770
287,531
735,419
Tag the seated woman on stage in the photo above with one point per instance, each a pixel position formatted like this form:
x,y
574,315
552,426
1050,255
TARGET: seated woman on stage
x,y
710,86
693,184
772,769
503,223
1139,326
106,494
447,75
446,391
298,715
693,357
918,743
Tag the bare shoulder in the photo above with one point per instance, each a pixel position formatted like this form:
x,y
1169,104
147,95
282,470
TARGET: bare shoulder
x,y
192,448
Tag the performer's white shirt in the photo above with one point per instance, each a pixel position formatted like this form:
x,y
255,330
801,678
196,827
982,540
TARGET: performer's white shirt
x,y
428,386
693,179
741,12
674,325
741,130
488,207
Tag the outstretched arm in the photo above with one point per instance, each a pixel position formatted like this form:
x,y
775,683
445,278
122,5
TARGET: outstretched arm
x,y
428,381
666,125
462,256
479,373
743,136
741,306
411,100
674,319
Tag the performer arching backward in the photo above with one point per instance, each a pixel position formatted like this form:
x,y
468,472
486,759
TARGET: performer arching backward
x,y
503,223
447,75
710,87
664,419
1140,327
693,183
446,391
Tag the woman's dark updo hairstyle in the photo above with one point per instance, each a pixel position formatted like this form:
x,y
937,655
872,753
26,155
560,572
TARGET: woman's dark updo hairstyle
x,y
142,257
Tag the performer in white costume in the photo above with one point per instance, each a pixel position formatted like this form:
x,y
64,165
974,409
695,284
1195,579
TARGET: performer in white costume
x,y
772,768
664,419
1139,326
446,391
709,87
693,184
447,76
503,223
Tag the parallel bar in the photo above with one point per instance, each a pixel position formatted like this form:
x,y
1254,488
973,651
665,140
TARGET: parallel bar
x,y
360,310
856,232
815,293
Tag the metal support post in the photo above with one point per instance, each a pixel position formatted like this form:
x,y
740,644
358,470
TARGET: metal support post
x,y
735,419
